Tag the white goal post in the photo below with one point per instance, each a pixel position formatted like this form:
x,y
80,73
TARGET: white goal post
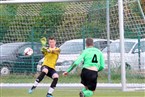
x,y
121,30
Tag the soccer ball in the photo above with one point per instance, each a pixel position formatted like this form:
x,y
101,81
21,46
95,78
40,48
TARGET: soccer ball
x,y
28,51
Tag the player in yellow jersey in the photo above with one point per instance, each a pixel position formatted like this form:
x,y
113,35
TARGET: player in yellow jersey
x,y
51,54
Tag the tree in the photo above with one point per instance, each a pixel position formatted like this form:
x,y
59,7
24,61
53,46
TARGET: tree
x,y
49,18
7,14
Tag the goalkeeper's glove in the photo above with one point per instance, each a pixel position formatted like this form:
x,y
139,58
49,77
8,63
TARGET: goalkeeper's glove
x,y
45,49
43,41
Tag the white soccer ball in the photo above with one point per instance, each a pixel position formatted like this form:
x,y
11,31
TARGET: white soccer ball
x,y
28,51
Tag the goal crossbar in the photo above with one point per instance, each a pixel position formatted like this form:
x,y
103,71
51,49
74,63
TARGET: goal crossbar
x,y
38,1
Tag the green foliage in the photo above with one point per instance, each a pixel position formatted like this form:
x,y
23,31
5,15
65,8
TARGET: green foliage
x,y
96,22
40,21
28,22
143,5
49,18
129,33
7,13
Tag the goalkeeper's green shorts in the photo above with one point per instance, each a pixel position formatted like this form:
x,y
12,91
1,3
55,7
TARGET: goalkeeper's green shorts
x,y
89,78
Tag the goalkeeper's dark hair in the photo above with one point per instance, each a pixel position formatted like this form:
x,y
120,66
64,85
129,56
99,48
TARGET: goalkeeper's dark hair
x,y
51,38
89,42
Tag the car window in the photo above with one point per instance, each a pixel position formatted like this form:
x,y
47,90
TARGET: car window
x,y
100,44
36,49
128,46
8,49
77,47
1,43
97,45
71,47
115,47
66,63
142,46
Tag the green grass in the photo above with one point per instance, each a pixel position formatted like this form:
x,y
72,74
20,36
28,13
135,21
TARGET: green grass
x,y
75,78
21,92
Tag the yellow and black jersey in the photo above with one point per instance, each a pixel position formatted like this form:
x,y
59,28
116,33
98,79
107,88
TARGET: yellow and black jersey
x,y
50,58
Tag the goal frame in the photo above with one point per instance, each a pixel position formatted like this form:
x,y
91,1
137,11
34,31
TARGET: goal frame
x,y
121,29
38,1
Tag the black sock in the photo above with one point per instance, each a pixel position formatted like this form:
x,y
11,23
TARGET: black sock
x,y
33,87
54,82
49,94
40,77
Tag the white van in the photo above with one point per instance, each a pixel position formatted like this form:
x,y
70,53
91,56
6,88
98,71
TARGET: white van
x,y
131,55
71,49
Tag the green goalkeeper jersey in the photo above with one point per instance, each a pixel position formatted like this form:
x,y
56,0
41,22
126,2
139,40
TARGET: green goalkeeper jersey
x,y
91,57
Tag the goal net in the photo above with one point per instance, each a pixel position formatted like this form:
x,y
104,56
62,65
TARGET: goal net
x,y
29,21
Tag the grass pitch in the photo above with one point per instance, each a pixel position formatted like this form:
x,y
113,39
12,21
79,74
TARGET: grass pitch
x,y
67,92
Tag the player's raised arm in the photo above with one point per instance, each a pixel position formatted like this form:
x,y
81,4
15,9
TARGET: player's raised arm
x,y
43,41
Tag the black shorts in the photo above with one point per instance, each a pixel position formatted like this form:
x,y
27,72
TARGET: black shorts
x,y
51,71
89,78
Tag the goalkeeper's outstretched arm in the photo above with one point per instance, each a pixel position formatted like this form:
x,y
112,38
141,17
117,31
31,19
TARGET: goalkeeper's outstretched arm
x,y
45,50
56,51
